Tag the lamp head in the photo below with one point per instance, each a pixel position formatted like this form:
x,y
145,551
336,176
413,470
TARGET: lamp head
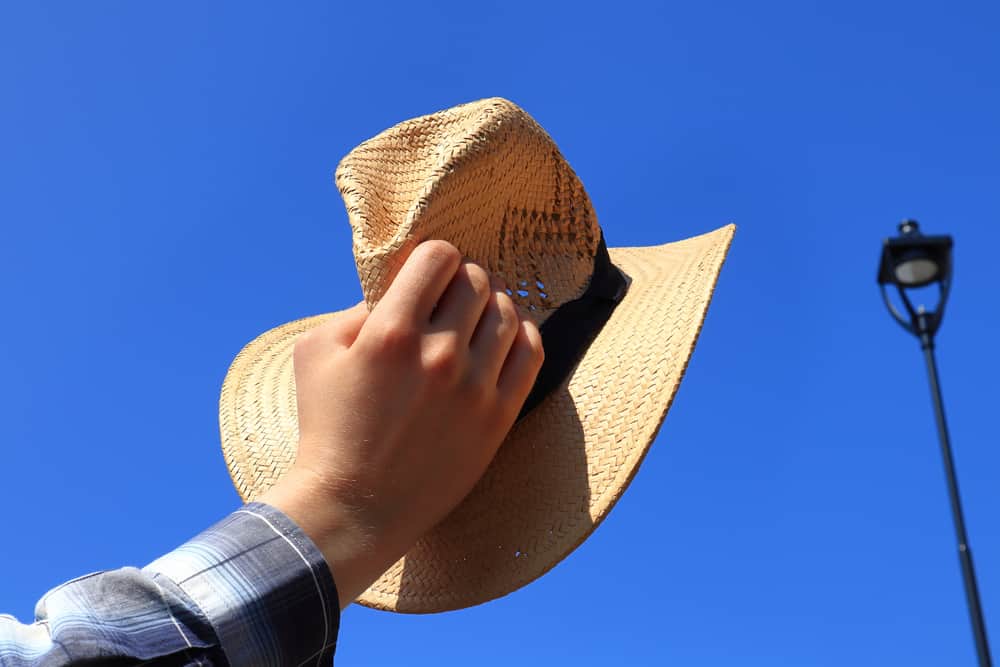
x,y
912,260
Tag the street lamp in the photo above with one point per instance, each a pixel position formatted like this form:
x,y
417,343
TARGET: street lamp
x,y
910,261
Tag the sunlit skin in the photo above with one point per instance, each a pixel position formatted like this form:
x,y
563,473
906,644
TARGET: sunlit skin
x,y
402,409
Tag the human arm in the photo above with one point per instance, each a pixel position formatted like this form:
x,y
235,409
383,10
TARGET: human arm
x,y
250,590
400,412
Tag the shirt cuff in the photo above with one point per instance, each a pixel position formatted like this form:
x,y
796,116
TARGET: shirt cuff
x,y
263,585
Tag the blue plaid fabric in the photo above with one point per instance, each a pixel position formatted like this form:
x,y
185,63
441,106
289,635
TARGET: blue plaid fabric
x,y
250,590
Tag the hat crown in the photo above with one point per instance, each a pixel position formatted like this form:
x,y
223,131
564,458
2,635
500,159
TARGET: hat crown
x,y
485,177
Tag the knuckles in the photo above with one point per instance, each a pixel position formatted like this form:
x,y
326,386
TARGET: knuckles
x,y
509,317
395,339
436,251
538,354
478,278
535,346
443,361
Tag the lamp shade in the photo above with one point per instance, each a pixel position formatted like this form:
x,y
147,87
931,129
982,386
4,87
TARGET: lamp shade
x,y
914,260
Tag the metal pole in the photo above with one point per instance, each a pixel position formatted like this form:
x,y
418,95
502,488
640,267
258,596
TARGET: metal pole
x,y
964,552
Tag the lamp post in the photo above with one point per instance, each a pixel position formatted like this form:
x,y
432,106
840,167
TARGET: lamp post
x,y
909,261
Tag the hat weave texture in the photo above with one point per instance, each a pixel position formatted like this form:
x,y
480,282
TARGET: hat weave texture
x,y
487,178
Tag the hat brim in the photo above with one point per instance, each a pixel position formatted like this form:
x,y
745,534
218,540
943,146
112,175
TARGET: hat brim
x,y
560,470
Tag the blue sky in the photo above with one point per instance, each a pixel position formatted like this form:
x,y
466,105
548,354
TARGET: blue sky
x,y
166,194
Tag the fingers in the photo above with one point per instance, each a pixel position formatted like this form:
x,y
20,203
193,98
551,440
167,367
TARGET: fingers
x,y
436,288
419,285
462,304
494,335
522,364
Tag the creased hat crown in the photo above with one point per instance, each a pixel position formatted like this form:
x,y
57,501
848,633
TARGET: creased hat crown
x,y
485,177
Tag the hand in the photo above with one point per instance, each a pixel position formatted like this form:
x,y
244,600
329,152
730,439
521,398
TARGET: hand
x,y
401,410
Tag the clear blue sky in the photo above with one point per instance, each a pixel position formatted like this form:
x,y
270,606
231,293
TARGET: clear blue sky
x,y
166,194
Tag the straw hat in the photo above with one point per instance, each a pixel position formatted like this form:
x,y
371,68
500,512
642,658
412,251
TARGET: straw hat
x,y
487,178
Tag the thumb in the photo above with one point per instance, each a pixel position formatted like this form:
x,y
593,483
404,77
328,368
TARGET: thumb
x,y
344,326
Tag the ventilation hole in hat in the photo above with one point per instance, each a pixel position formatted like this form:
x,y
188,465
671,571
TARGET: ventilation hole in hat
x,y
530,292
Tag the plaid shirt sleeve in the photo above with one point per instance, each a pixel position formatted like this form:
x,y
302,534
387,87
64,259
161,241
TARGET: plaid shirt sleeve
x,y
250,590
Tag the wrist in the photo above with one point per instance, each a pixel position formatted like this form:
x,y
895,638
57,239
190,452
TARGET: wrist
x,y
347,542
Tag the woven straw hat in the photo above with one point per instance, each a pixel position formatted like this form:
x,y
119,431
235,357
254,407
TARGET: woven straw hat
x,y
618,327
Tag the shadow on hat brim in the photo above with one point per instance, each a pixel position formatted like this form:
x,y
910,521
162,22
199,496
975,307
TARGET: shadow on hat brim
x,y
560,470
